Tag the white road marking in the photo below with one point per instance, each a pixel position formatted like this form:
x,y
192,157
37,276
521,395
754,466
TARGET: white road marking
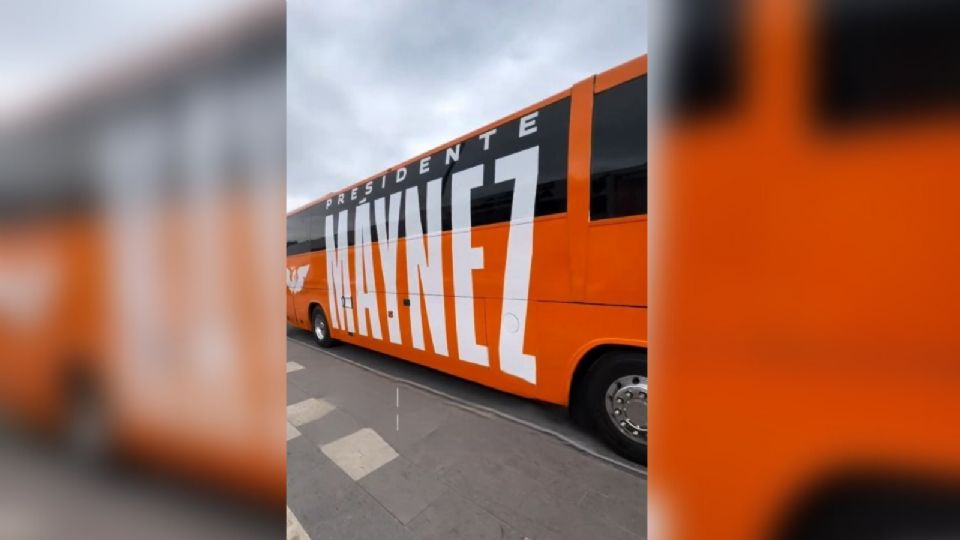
x,y
360,453
292,432
295,531
293,366
308,410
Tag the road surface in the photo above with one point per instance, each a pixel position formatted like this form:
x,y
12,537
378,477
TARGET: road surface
x,y
379,448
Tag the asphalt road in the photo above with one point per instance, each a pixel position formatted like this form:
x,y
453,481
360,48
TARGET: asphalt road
x,y
382,448
45,495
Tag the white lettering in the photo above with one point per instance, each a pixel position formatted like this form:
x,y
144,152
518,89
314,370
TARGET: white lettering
x,y
425,266
388,228
520,167
528,124
425,165
338,273
366,283
401,174
486,138
466,259
453,154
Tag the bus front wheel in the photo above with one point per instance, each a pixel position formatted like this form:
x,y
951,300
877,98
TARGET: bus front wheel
x,y
321,330
616,402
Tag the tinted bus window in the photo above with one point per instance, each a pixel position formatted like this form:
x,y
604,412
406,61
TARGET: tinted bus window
x,y
886,59
297,234
704,51
315,220
618,162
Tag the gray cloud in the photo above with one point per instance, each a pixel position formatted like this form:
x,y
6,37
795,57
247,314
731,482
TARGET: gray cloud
x,y
371,84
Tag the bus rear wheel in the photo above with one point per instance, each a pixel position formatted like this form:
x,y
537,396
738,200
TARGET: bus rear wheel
x,y
321,330
616,402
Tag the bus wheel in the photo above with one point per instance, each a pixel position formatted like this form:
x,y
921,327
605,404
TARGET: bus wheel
x,y
321,331
616,402
88,433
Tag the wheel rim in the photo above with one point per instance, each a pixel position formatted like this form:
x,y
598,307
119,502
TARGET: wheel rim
x,y
319,327
626,401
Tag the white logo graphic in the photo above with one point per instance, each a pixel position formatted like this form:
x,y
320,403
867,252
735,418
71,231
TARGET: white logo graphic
x,y
295,278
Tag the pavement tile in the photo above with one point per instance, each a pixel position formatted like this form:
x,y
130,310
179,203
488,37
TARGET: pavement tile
x,y
487,480
293,366
292,432
365,521
303,463
369,395
336,424
331,506
403,488
295,395
317,376
322,492
360,453
295,530
606,494
307,410
414,424
454,516
439,451
307,475
347,516
553,511
629,513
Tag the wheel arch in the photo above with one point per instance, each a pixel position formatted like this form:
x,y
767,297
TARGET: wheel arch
x,y
586,359
313,304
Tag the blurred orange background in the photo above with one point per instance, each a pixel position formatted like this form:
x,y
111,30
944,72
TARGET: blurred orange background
x,y
141,259
803,268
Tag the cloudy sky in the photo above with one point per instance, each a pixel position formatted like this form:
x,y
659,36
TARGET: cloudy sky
x,y
371,84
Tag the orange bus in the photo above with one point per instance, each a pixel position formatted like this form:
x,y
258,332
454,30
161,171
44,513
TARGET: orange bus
x,y
514,256
804,263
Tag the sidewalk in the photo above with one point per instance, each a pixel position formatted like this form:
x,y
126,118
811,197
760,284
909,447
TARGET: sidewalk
x,y
356,470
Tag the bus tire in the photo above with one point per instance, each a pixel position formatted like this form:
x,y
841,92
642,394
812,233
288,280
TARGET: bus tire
x,y
321,330
88,432
615,401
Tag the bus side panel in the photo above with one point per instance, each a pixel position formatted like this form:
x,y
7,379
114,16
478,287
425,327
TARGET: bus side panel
x,y
51,314
548,281
565,332
617,262
314,287
556,332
